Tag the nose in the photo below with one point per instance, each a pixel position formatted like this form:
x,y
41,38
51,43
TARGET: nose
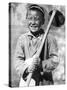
x,y
33,21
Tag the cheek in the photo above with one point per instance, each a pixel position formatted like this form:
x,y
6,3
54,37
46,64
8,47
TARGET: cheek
x,y
38,22
29,22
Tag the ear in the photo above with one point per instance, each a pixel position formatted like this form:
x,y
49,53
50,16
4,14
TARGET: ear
x,y
43,20
26,15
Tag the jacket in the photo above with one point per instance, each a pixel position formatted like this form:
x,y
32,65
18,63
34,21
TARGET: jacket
x,y
27,46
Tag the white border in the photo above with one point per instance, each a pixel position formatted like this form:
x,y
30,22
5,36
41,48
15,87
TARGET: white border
x,y
4,42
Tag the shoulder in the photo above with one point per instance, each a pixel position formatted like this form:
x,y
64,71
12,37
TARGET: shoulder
x,y
23,36
51,39
50,36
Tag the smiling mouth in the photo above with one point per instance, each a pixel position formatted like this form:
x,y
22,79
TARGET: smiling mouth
x,y
34,26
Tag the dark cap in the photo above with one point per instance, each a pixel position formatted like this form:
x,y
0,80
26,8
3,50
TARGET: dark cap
x,y
36,7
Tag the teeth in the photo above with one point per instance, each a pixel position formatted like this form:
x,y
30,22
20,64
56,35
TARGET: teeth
x,y
33,26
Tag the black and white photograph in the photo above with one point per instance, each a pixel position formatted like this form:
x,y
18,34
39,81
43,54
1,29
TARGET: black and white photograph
x,y
37,46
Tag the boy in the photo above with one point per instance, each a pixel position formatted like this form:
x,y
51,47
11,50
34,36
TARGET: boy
x,y
27,47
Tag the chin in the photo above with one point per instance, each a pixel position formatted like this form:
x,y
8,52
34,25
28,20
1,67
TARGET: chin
x,y
34,29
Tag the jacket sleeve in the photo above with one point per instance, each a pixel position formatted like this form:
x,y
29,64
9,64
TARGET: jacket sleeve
x,y
52,62
19,57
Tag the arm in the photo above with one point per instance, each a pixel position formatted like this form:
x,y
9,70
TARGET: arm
x,y
52,62
23,66
19,57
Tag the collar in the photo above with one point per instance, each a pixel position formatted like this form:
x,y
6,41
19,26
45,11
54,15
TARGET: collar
x,y
33,36
30,35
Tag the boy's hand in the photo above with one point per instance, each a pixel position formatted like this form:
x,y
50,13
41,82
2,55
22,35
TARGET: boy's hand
x,y
33,66
33,63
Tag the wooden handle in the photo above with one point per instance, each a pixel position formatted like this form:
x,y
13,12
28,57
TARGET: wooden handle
x,y
29,79
39,50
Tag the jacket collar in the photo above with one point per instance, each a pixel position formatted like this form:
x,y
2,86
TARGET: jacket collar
x,y
32,36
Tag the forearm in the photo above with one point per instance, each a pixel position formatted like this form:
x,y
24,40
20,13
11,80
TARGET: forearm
x,y
20,66
19,57
52,60
50,64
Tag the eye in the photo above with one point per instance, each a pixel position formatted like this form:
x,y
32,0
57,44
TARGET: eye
x,y
29,17
36,18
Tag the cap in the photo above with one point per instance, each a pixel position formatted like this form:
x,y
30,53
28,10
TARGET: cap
x,y
34,6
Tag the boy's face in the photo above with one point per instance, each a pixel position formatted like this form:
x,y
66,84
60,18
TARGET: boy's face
x,y
34,20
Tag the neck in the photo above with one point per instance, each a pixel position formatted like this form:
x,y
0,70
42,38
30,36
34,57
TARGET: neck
x,y
37,33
